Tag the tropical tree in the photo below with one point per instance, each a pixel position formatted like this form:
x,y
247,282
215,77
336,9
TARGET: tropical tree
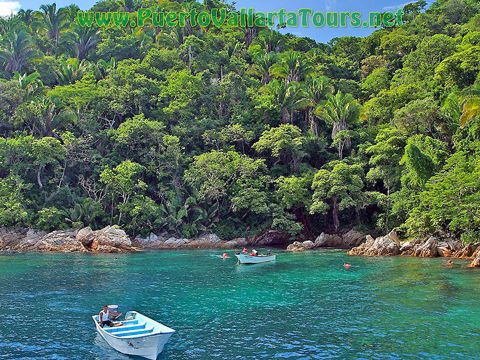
x,y
229,181
292,66
284,143
340,111
54,23
121,183
262,64
316,90
85,40
71,70
16,51
281,99
338,189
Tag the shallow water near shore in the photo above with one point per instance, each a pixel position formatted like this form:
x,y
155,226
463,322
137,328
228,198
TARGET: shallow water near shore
x,y
304,306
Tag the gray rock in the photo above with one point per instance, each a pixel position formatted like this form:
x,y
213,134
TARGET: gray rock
x,y
328,240
85,236
235,243
295,247
59,241
171,241
348,240
110,239
388,245
152,241
209,238
19,239
301,246
353,238
408,247
428,249
271,238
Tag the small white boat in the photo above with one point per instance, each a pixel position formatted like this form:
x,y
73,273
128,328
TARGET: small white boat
x,y
248,259
139,335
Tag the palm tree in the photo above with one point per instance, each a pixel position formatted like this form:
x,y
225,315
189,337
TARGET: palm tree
x,y
16,51
292,67
262,65
71,71
53,21
339,110
85,40
270,40
289,98
26,16
51,117
316,91
9,24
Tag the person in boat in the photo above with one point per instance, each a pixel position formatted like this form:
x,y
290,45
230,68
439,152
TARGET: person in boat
x,y
244,251
114,314
254,253
104,318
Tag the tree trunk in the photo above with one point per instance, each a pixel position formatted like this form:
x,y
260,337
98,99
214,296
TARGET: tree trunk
x,y
312,122
190,58
336,221
284,116
341,145
39,176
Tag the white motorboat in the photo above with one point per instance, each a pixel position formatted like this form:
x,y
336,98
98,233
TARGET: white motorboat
x,y
139,335
257,259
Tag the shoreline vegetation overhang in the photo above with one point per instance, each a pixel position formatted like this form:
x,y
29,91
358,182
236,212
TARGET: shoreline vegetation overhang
x,y
246,17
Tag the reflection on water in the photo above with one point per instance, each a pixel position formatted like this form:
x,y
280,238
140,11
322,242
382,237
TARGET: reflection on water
x,y
303,306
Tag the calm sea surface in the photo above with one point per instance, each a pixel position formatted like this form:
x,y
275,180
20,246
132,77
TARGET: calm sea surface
x,y
304,306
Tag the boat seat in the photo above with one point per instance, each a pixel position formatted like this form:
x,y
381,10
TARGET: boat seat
x,y
130,322
134,332
123,328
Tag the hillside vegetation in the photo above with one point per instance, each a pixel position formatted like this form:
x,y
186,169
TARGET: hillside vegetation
x,y
238,130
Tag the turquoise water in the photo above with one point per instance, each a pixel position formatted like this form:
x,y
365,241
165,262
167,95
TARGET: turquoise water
x,y
304,306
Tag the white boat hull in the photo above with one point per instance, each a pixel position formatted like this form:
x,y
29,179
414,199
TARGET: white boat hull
x,y
247,259
148,346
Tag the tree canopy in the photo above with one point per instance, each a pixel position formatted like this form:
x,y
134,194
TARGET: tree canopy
x,y
238,131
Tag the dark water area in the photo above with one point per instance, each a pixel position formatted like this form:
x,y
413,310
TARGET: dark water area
x,y
304,306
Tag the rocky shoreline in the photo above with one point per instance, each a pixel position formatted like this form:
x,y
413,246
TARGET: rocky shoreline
x,y
390,245
112,239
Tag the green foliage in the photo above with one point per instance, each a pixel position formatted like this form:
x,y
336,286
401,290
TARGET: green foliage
x,y
293,192
338,189
217,174
385,157
451,200
180,94
379,79
284,143
13,205
50,219
189,130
